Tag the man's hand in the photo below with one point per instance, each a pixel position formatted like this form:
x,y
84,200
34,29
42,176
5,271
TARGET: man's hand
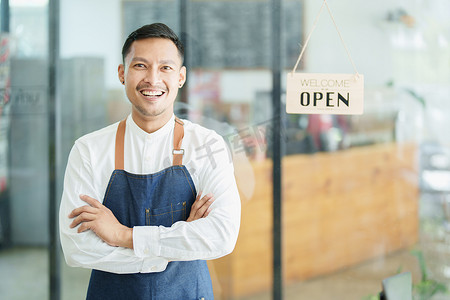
x,y
201,207
102,222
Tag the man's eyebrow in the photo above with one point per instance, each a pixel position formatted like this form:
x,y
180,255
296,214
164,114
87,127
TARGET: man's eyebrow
x,y
137,58
167,62
163,61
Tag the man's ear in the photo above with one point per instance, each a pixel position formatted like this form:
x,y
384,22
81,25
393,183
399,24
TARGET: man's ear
x,y
121,73
182,79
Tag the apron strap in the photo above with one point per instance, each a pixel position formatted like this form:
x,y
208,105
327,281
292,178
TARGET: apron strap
x,y
177,152
178,134
120,140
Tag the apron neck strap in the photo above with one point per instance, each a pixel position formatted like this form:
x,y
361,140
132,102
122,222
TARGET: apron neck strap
x,y
120,139
177,152
178,134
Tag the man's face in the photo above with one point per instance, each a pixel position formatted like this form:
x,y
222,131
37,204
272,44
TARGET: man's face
x,y
153,73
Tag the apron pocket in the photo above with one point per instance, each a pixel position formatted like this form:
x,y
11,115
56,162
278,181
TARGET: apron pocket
x,y
165,216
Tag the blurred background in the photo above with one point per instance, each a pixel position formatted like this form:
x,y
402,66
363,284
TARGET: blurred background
x,y
362,197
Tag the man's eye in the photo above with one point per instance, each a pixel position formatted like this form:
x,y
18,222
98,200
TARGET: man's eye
x,y
139,66
167,68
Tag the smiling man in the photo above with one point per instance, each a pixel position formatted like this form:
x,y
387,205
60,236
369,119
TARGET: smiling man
x,y
131,209
153,73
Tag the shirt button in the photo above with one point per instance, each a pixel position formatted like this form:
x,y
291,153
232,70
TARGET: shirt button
x,y
153,269
146,250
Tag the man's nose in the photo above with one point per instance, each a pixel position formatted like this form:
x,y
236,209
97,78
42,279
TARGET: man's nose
x,y
153,76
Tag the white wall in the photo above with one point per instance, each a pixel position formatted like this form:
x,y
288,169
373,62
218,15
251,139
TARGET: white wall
x,y
93,28
381,50
359,23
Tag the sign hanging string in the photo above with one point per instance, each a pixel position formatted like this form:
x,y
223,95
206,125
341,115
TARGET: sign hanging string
x,y
310,33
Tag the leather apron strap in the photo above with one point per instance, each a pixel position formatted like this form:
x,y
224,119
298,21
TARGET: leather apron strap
x,y
177,152
178,134
120,141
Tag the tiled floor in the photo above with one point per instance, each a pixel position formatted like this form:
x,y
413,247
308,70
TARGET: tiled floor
x,y
24,275
356,283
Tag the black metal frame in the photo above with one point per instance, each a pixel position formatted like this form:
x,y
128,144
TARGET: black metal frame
x,y
277,150
4,16
5,220
53,59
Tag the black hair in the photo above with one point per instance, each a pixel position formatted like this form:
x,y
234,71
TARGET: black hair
x,y
155,30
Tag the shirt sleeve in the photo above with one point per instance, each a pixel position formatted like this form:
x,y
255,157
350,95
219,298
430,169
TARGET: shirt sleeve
x,y
86,249
208,238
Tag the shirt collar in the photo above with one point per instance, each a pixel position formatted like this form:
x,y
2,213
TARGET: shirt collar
x,y
135,129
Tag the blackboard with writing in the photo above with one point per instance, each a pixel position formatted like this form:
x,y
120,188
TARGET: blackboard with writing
x,y
139,13
224,34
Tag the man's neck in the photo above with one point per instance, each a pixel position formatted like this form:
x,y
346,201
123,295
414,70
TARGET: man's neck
x,y
151,124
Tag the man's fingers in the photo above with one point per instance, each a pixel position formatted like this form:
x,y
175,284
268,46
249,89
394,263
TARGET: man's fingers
x,y
80,210
91,201
198,196
207,212
206,208
201,207
200,202
82,217
84,213
84,227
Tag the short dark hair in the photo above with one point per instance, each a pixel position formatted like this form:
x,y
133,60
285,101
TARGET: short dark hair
x,y
155,30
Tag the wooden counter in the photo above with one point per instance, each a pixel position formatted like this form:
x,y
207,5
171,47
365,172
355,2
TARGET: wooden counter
x,y
339,209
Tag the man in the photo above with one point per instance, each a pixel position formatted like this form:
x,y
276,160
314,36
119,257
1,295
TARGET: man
x,y
146,201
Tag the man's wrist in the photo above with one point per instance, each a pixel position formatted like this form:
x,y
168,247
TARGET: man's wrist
x,y
126,238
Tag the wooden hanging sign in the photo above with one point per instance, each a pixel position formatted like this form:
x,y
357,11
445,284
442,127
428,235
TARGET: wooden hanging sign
x,y
340,94
309,93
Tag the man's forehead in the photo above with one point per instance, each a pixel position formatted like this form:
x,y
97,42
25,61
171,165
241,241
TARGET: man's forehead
x,y
165,49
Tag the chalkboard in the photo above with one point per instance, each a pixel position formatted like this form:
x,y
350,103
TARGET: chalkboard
x,y
140,13
224,34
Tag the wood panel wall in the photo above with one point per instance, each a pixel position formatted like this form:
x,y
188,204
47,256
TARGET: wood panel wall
x,y
339,209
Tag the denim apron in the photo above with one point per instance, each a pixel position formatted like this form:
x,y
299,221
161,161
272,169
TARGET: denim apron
x,y
159,199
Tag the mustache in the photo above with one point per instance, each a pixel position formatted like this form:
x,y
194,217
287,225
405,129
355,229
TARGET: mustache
x,y
142,86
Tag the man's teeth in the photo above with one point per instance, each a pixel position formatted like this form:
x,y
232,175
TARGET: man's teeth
x,y
152,93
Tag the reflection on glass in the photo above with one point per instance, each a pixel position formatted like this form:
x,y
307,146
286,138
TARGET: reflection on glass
x,y
359,192
24,153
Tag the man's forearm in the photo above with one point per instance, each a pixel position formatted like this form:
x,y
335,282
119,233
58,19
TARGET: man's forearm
x,y
102,222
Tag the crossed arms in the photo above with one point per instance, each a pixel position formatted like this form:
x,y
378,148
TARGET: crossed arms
x,y
91,236
99,219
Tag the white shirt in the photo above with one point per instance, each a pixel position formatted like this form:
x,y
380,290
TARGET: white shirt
x,y
206,156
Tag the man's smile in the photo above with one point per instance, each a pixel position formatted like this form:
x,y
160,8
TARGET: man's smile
x,y
152,93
